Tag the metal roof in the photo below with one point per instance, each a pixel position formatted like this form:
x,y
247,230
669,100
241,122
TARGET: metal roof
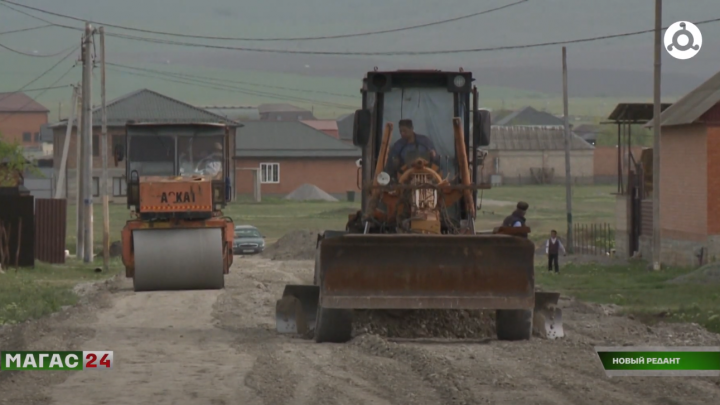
x,y
693,105
526,138
530,116
20,102
322,125
637,113
269,139
345,125
279,107
149,106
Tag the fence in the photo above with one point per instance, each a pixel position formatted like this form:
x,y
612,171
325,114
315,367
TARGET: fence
x,y
593,239
17,226
50,230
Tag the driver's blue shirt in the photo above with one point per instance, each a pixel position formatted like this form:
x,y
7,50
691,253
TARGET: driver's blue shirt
x,y
402,148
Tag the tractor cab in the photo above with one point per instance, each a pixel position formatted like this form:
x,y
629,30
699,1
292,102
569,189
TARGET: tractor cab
x,y
177,169
431,101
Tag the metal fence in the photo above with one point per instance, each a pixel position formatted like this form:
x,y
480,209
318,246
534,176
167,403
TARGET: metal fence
x,y
593,239
50,230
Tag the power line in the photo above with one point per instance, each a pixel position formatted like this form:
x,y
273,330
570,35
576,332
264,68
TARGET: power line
x,y
235,89
231,81
26,29
397,53
391,53
64,86
32,100
34,54
359,34
43,73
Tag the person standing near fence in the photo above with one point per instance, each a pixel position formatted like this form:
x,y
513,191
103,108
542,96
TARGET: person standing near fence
x,y
553,246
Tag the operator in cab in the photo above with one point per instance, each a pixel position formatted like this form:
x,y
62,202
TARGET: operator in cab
x,y
409,146
211,164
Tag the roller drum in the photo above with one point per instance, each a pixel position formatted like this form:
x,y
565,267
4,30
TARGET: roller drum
x,y
178,259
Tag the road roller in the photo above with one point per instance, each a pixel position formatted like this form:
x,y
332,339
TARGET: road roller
x,y
413,245
177,237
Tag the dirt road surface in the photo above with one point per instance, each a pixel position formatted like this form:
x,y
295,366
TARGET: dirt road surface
x,y
207,347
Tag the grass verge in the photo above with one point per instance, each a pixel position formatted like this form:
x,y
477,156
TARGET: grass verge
x,y
30,293
645,294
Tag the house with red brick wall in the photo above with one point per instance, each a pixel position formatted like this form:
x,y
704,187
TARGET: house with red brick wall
x,y
21,118
689,179
289,154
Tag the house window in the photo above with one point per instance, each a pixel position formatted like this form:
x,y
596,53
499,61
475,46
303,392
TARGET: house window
x,y
96,186
119,187
37,137
96,145
27,137
270,172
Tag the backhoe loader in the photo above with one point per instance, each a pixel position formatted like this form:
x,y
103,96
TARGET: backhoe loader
x,y
414,245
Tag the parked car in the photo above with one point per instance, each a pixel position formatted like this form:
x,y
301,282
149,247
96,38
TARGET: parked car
x,y
248,240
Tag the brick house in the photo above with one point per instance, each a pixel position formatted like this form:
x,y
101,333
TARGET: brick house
x,y
519,154
290,154
142,105
284,112
689,179
21,118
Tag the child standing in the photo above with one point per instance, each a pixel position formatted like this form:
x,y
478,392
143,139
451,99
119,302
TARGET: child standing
x,y
552,247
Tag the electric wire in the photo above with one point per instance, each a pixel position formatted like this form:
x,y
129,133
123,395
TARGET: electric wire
x,y
234,89
26,29
42,74
323,37
184,75
386,53
33,99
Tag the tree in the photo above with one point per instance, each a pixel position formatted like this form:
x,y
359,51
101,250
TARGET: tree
x,y
13,163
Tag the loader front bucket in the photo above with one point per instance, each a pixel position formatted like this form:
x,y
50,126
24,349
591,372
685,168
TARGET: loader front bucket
x,y
403,271
547,317
295,312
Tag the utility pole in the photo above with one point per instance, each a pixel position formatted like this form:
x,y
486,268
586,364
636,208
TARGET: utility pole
x,y
104,153
60,186
657,243
568,179
79,163
87,145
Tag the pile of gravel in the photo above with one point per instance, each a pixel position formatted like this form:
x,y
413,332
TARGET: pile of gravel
x,y
296,245
427,323
310,192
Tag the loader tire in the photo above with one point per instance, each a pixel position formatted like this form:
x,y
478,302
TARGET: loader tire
x,y
513,324
333,325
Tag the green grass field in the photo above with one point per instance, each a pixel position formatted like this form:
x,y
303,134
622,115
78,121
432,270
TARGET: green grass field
x,y
642,293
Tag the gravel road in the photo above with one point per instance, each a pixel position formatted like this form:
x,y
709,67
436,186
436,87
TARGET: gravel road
x,y
205,347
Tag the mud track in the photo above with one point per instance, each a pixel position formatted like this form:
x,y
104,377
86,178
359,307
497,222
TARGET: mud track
x,y
220,348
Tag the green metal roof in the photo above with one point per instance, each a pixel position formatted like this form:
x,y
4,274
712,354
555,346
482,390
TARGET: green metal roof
x,y
260,139
150,106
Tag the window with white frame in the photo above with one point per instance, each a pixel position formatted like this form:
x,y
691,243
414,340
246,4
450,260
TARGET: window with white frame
x,y
270,172
119,187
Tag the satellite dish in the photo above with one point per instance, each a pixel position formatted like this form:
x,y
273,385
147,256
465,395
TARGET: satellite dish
x,y
358,163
